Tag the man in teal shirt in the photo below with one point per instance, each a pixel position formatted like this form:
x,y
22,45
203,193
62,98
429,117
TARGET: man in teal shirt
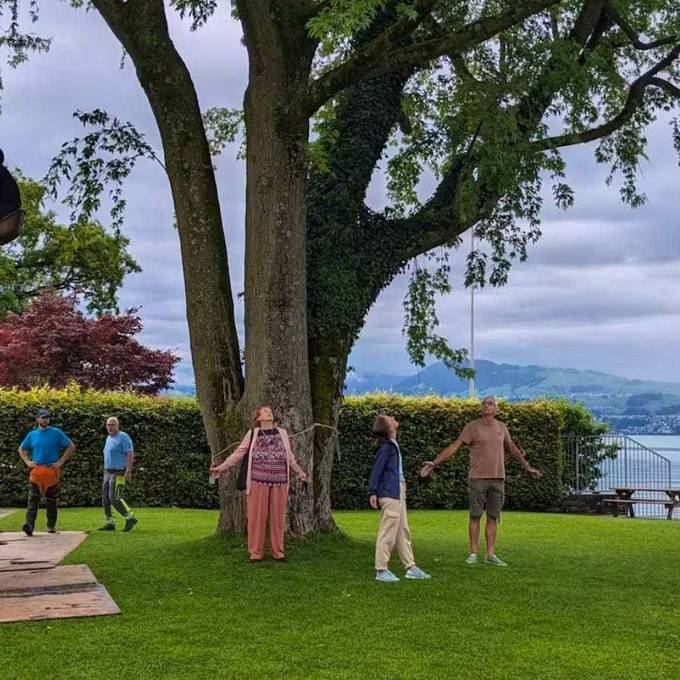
x,y
44,451
119,455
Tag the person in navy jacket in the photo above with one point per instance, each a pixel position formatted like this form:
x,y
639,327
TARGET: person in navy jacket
x,y
387,489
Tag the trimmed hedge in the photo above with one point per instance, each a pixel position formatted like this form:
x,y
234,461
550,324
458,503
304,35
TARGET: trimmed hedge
x,y
427,425
173,456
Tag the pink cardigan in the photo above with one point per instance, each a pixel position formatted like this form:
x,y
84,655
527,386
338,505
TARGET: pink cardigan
x,y
244,448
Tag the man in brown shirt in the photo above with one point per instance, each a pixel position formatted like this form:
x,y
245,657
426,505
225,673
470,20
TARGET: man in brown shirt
x,y
487,439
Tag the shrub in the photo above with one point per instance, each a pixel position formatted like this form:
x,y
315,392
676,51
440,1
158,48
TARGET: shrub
x,y
173,455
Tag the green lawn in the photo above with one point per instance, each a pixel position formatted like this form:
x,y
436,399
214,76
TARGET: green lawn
x,y
584,597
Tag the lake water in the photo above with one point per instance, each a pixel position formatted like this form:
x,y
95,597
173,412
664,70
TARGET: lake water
x,y
659,442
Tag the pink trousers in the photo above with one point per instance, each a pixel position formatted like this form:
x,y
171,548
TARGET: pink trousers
x,y
266,503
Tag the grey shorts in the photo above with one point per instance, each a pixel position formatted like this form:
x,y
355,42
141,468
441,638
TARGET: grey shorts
x,y
486,494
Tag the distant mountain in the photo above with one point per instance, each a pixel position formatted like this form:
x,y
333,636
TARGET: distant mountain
x,y
180,391
510,381
373,382
629,405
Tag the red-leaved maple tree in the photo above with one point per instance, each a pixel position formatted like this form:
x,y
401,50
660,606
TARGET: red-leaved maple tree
x,y
53,343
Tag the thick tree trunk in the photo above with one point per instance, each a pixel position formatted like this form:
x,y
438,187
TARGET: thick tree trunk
x,y
142,29
328,368
276,353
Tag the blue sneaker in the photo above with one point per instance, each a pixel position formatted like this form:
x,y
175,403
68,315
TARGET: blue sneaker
x,y
417,574
386,576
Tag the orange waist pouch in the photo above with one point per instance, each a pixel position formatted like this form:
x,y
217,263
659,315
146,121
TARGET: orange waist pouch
x,y
44,476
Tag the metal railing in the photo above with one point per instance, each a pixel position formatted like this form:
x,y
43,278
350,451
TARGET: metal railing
x,y
602,463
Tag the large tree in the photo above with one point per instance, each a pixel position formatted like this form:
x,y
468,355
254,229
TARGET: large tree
x,y
482,94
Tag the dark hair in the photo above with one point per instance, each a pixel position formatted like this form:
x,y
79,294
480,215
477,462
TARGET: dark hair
x,y
2,157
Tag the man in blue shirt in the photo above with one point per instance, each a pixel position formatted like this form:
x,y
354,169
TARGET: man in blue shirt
x,y
119,455
44,451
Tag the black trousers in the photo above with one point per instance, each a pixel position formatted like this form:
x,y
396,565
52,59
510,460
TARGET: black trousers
x,y
51,496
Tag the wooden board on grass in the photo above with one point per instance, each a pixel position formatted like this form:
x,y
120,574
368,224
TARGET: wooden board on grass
x,y
40,551
93,600
70,576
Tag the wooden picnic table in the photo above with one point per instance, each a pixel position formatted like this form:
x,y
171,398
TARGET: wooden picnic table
x,y
624,499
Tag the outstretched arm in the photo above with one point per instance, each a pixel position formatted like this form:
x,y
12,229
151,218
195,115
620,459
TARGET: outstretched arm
x,y
443,456
518,455
292,463
234,459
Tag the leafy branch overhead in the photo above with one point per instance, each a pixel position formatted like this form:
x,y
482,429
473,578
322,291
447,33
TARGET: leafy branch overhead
x,y
19,44
99,161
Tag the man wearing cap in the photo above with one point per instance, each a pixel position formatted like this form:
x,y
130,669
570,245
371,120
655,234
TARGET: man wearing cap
x,y
44,450
119,454
487,439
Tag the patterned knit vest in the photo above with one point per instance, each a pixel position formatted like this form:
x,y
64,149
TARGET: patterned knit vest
x,y
270,459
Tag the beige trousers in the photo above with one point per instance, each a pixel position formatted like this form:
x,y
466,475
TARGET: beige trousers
x,y
393,530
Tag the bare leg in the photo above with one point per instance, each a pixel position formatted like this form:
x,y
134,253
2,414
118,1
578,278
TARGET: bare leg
x,y
491,526
474,535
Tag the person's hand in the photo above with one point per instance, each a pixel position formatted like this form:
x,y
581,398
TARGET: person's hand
x,y
57,465
536,474
373,501
427,469
302,476
30,464
216,471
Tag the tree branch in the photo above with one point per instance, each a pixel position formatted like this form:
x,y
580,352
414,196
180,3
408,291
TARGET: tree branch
x,y
670,89
635,94
382,54
633,35
437,221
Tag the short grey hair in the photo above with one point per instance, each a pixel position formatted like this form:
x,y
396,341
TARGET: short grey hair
x,y
113,419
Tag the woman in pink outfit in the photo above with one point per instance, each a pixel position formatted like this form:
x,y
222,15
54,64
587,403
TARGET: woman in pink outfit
x,y
269,464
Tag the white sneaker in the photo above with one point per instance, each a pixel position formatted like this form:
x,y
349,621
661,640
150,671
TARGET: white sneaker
x,y
417,574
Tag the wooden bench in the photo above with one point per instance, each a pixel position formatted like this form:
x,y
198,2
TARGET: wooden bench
x,y
629,503
624,499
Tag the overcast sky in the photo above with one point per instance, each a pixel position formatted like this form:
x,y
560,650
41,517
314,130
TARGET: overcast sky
x,y
600,291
